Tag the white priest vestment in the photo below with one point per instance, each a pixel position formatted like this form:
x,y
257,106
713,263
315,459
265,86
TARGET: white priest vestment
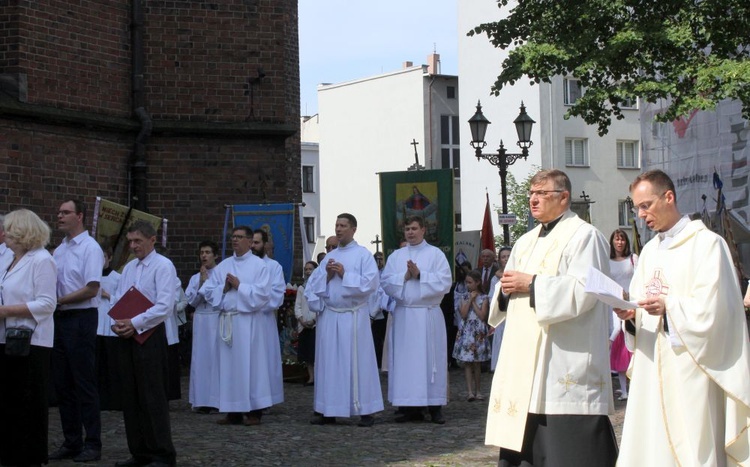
x,y
418,360
277,285
689,397
346,370
249,355
555,357
204,360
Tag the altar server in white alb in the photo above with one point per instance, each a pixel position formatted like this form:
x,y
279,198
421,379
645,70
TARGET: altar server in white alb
x,y
552,389
689,400
204,371
346,370
417,276
249,355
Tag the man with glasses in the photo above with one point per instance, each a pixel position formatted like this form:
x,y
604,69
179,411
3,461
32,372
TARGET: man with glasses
x,y
689,401
250,378
551,392
79,271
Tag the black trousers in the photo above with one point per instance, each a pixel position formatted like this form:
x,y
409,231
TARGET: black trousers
x,y
564,441
145,407
24,412
75,379
378,337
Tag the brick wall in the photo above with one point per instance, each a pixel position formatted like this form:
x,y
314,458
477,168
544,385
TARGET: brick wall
x,y
74,133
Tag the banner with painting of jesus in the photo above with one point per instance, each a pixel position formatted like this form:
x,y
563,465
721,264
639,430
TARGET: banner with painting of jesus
x,y
427,193
278,222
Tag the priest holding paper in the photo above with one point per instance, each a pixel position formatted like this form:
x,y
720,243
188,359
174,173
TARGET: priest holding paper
x,y
143,365
551,392
689,401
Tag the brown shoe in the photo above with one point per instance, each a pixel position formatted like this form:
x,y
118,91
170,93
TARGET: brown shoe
x,y
252,420
230,419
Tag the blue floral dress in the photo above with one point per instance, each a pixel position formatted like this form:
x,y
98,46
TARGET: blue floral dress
x,y
472,343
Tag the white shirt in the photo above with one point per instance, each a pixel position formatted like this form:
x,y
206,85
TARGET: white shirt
x,y
32,281
79,262
154,277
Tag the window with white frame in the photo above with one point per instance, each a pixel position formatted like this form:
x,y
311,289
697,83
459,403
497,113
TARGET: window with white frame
x,y
309,229
627,155
308,179
629,104
571,90
576,152
450,151
623,213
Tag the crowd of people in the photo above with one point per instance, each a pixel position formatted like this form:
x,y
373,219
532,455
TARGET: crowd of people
x,y
523,313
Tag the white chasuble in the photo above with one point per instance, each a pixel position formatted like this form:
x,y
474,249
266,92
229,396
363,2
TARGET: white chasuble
x,y
554,358
689,401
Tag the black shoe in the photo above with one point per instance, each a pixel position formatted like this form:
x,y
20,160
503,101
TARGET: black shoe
x,y
88,455
64,453
366,421
319,419
132,462
436,416
410,414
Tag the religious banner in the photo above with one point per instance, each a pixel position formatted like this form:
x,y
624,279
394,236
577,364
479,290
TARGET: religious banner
x,y
467,247
278,222
427,193
110,226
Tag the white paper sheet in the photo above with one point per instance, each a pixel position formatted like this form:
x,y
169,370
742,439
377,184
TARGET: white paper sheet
x,y
606,290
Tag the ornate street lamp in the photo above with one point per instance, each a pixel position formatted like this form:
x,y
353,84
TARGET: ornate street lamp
x,y
502,160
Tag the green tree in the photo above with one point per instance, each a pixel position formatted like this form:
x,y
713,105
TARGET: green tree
x,y
518,204
692,52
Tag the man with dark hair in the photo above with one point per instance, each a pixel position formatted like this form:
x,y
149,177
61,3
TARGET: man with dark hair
x,y
552,388
346,371
689,401
204,371
80,263
143,367
240,289
417,277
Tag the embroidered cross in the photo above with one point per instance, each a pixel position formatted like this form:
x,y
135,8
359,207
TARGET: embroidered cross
x,y
496,405
512,411
601,383
567,382
656,285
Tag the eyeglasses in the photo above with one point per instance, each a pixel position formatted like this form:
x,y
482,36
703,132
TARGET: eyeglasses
x,y
543,193
239,237
645,206
65,212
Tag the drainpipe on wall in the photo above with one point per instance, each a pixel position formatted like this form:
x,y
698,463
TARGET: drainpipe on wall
x,y
138,163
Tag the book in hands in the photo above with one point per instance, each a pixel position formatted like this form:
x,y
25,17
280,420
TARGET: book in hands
x,y
130,305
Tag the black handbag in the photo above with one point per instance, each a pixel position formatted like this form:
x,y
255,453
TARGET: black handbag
x,y
18,342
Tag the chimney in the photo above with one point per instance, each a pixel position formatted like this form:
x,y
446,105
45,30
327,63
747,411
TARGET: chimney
x,y
433,64
408,65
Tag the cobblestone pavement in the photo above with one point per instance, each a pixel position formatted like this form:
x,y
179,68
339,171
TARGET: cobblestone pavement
x,y
286,437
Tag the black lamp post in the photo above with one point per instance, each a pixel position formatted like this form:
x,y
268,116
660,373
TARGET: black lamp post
x,y
502,160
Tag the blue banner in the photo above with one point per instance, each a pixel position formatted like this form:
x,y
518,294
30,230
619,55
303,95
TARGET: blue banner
x,y
278,221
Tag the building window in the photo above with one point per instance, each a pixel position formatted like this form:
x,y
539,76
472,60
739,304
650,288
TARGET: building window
x,y
576,152
307,179
451,92
623,213
450,152
627,155
310,229
571,90
582,210
629,104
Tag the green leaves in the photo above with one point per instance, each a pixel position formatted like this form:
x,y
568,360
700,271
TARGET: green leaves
x,y
693,52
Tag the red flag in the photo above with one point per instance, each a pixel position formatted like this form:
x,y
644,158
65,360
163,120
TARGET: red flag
x,y
488,236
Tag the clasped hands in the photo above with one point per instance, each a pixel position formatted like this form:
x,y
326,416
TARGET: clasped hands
x,y
334,269
516,282
123,328
412,271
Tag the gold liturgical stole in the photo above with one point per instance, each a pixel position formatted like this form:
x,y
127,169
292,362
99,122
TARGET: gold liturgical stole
x,y
514,374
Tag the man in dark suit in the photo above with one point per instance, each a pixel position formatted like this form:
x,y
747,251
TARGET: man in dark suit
x,y
487,268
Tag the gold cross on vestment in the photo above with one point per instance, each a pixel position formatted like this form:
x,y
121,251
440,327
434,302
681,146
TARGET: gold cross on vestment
x,y
567,382
512,411
601,383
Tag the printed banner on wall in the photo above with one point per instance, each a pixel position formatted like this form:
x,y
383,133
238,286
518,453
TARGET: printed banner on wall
x,y
467,247
110,227
278,222
427,193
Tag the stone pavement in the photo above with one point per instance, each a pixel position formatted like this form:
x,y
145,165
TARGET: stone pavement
x,y
286,437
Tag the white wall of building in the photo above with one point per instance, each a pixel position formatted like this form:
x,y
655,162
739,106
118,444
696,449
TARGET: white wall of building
x,y
310,138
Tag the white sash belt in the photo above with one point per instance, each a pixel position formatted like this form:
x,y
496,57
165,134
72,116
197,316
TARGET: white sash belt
x,y
355,353
430,335
225,326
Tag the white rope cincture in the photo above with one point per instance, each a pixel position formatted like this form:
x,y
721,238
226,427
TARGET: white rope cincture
x,y
355,353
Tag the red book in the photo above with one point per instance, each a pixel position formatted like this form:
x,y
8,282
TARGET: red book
x,y
130,305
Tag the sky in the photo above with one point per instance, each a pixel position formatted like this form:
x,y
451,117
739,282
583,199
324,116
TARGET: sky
x,y
344,40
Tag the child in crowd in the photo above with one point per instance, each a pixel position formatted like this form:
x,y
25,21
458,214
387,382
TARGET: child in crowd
x,y
472,346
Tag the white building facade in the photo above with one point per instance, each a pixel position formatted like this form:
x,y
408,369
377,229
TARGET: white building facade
x,y
310,168
602,167
368,126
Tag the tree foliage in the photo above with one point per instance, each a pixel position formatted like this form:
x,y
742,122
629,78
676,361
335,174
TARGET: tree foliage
x,y
518,204
692,52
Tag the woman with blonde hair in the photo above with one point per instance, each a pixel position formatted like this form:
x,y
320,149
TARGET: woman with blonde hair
x,y
27,301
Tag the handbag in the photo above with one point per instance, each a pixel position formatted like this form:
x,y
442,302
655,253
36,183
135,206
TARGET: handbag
x,y
18,342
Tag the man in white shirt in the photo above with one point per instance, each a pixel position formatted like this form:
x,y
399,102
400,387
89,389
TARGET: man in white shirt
x,y
145,407
79,271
